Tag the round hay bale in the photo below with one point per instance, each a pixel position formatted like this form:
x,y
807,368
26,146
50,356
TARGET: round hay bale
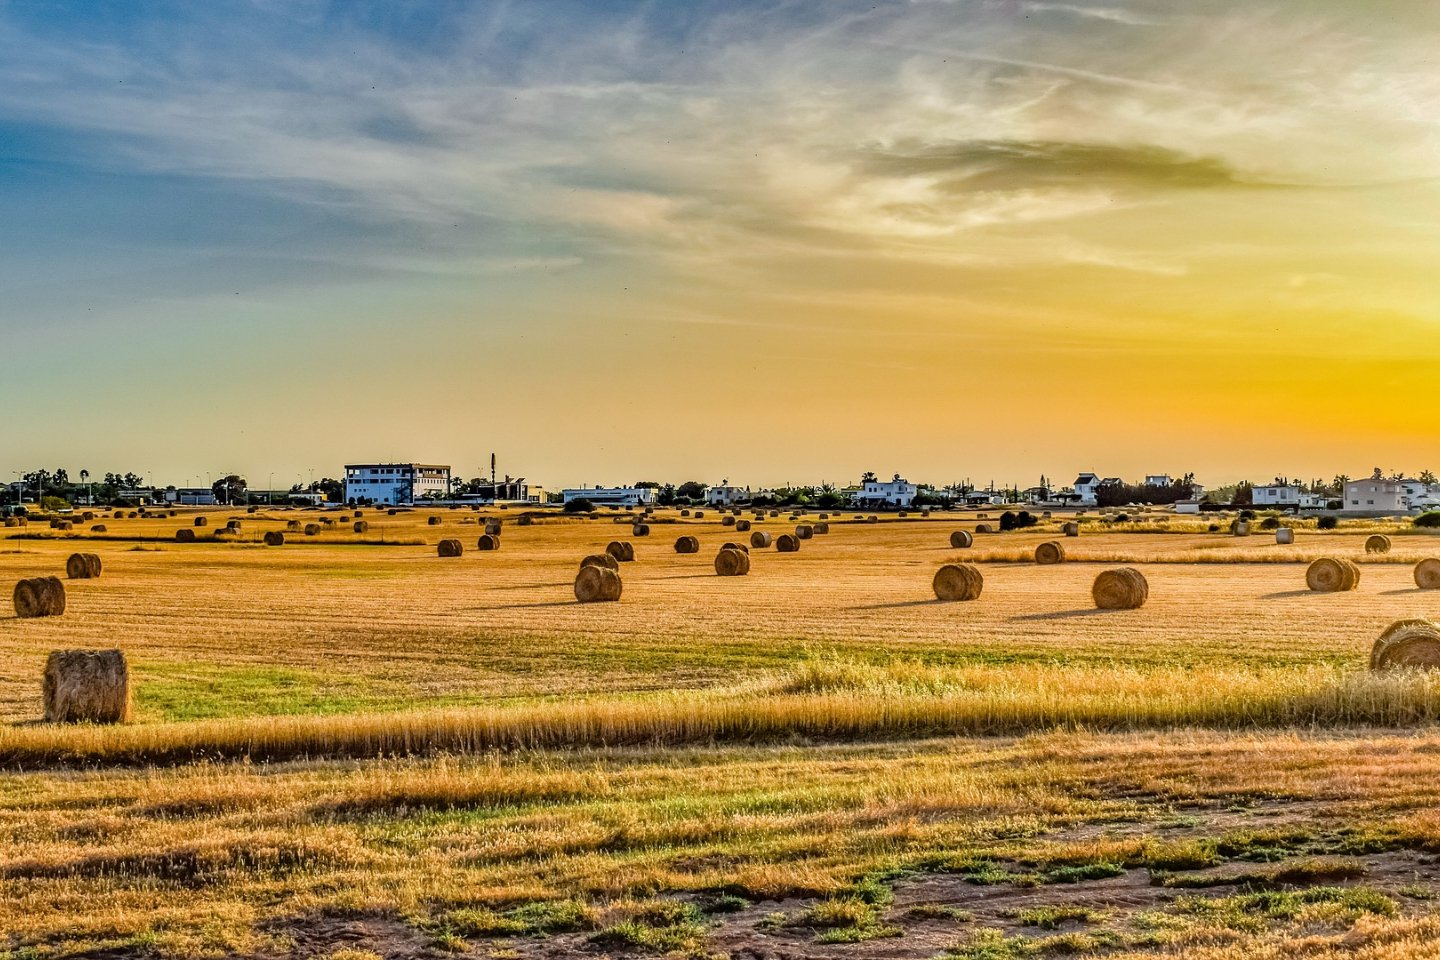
x,y
735,511
731,545
958,582
760,539
873,518
1331,575
488,541
251,509
1070,529
982,528
12,521
1352,574
787,543
731,562
600,560
687,545
64,525
87,516
774,513
233,525
86,686
684,513
82,566
1050,552
961,539
903,514
1378,543
450,547
621,550
431,521
1427,574
344,518
597,584
640,530
274,538
1240,528
804,531
820,529
824,516
39,597
312,529
524,521
361,513
99,528
132,515
185,535
742,526
727,521
1407,643
493,527
1285,536
361,526
1122,589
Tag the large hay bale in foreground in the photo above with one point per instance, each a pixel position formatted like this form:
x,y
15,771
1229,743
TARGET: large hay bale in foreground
x,y
82,566
733,545
760,539
86,686
1332,575
958,581
1285,536
1051,551
450,547
731,562
961,539
274,538
39,597
488,541
1407,643
185,535
1427,574
742,526
787,543
1070,529
600,560
804,531
361,526
621,550
597,584
687,545
1379,543
1122,589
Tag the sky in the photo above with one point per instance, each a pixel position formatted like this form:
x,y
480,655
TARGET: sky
x,y
772,243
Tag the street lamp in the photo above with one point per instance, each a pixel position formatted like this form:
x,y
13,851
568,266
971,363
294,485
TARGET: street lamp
x,y
270,492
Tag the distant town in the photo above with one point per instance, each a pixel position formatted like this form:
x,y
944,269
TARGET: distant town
x,y
1377,493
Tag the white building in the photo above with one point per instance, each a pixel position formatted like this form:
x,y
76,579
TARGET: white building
x,y
1158,480
191,496
1187,506
892,493
1277,495
395,482
612,496
1375,495
1085,486
726,496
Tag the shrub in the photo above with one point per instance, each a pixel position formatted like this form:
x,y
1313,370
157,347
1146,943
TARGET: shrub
x,y
1270,523
579,505
1247,514
1429,520
1327,523
1016,521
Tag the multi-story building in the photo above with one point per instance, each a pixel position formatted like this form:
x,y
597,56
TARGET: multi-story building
x,y
1375,495
395,482
612,496
1085,486
886,493
1276,495
726,496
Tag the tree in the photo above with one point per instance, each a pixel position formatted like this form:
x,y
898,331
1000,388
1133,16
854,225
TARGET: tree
x,y
868,477
578,505
228,489
334,490
690,490
1428,478
133,480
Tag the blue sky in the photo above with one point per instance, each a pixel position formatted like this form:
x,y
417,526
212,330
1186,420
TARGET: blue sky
x,y
274,235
